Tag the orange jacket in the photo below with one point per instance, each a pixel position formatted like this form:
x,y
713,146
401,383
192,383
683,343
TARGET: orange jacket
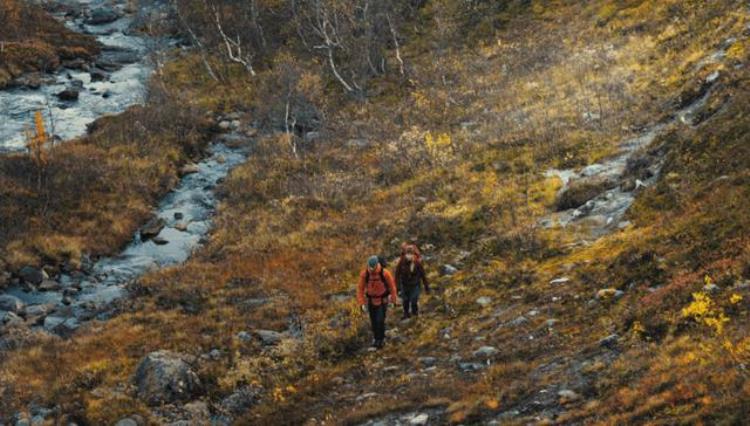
x,y
374,281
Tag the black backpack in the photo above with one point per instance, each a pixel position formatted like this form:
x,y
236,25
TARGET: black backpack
x,y
383,264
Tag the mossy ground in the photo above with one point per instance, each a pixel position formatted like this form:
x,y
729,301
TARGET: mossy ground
x,y
537,86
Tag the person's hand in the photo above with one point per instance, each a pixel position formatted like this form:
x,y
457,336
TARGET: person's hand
x,y
364,308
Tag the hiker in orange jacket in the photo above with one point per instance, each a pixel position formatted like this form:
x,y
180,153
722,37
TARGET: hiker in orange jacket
x,y
376,285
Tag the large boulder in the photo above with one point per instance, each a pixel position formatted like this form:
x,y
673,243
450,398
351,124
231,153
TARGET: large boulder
x,y
32,275
165,377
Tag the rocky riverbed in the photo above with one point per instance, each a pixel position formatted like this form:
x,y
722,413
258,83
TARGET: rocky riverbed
x,y
81,91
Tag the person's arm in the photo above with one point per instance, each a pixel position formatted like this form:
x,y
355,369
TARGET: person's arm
x,y
423,274
391,285
361,289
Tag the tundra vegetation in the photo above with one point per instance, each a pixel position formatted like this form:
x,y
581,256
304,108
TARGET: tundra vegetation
x,y
380,121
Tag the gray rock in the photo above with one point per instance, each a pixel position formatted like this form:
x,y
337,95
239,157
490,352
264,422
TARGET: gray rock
x,y
241,400
609,341
49,285
311,137
98,75
69,94
469,367
10,319
38,310
484,301
518,321
269,337
448,270
711,288
189,168
559,281
419,419
164,377
11,304
60,325
568,396
32,275
102,15
160,241
427,361
152,228
486,352
225,125
179,215
128,421
244,336
552,322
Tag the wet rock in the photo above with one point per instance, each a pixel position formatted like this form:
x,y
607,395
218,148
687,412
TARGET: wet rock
x,y
448,270
568,396
130,421
152,228
32,275
106,94
484,301
221,159
486,352
11,304
98,75
181,226
102,15
159,241
49,285
188,169
178,216
69,94
580,192
165,377
36,311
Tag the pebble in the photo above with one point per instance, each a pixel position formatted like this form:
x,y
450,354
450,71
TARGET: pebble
x,y
485,352
484,300
420,419
561,280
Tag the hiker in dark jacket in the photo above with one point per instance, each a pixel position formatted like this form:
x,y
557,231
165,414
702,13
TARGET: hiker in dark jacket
x,y
376,284
409,275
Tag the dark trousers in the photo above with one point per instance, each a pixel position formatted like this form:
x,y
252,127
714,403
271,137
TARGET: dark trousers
x,y
410,298
377,319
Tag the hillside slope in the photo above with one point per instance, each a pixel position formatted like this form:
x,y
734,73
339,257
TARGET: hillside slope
x,y
639,321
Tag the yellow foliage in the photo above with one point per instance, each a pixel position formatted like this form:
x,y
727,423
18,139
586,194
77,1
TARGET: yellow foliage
x,y
703,309
440,146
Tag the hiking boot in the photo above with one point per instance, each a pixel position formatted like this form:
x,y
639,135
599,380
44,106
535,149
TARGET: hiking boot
x,y
374,343
379,344
405,317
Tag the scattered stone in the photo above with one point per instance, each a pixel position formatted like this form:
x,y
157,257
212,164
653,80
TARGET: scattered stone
x,y
713,77
189,168
448,270
551,322
365,396
609,293
241,400
160,241
165,377
567,396
561,280
98,75
244,336
128,421
269,337
181,226
420,419
518,321
470,367
221,159
484,301
533,313
60,325
11,304
39,310
711,288
609,341
311,137
32,275
225,125
427,361
49,285
69,94
485,352
152,228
